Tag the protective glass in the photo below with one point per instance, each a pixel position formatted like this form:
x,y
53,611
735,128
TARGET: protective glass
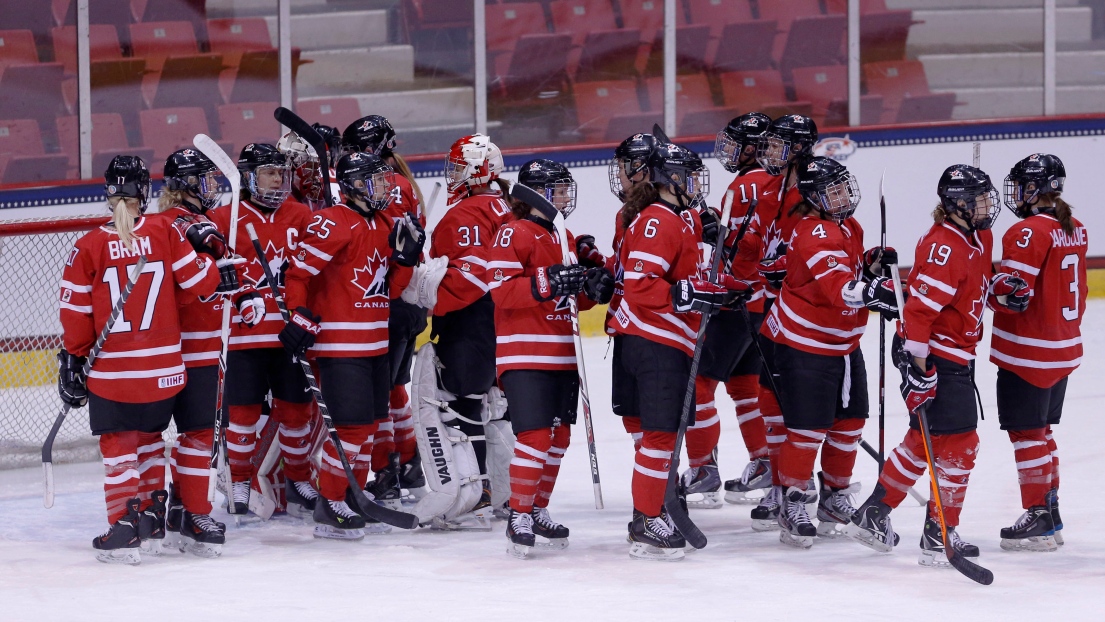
x,y
773,153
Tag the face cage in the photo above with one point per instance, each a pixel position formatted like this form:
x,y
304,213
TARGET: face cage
x,y
274,198
839,199
565,200
728,151
969,213
454,169
773,153
617,167
308,180
376,191
206,188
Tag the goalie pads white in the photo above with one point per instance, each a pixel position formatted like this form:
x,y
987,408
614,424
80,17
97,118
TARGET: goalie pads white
x,y
425,278
500,446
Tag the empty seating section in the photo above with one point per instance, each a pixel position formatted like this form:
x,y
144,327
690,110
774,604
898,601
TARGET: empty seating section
x,y
241,124
17,47
336,112
167,129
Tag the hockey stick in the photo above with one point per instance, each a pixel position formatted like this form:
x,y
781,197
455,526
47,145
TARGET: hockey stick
x,y
534,199
229,170
428,207
965,566
48,445
295,123
368,506
882,339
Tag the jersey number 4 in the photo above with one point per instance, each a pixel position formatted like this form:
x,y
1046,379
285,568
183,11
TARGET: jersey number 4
x,y
111,277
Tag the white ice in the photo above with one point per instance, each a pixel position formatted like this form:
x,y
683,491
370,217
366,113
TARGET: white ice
x,y
277,571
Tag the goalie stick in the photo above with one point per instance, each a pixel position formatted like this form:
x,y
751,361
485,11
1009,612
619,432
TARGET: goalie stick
x,y
48,445
295,123
534,199
882,338
367,506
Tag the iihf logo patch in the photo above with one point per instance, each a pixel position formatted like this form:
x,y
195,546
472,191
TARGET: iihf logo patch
x,y
112,189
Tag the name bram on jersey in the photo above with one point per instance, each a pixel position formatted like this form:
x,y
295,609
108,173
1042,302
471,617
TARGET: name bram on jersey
x,y
118,250
1061,239
433,434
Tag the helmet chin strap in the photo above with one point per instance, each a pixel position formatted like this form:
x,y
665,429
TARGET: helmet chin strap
x,y
188,201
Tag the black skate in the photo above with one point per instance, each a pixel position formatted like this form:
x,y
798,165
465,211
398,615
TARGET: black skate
x,y
870,525
519,530
704,481
385,489
654,539
240,494
151,523
301,498
797,529
372,527
120,543
932,545
413,480
765,516
1033,531
1053,504
174,514
337,521
201,535
835,508
552,531
756,477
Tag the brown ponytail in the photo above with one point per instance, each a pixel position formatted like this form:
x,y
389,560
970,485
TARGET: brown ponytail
x,y
403,169
638,198
939,215
1063,214
803,209
518,208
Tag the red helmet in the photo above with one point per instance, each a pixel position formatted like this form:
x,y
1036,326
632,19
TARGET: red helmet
x,y
472,161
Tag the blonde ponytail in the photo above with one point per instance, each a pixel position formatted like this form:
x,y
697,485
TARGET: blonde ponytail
x,y
124,222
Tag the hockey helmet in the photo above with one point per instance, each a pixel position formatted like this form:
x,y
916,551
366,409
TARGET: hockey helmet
x,y
682,170
630,160
472,161
827,185
972,187
552,179
266,175
191,172
365,178
127,177
790,138
303,158
371,134
738,135
1039,173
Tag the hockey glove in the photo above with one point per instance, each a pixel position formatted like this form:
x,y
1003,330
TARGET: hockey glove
x,y
589,255
599,286
710,226
425,279
1010,291
877,295
228,274
251,308
774,270
407,239
918,387
739,291
205,238
698,295
300,332
877,259
72,384
558,280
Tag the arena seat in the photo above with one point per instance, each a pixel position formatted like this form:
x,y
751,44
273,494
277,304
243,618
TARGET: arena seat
x,y
647,16
233,36
30,169
819,86
691,47
537,68
813,42
621,126
20,137
190,81
579,17
506,23
692,94
17,47
191,11
336,112
108,134
32,92
103,42
750,90
167,129
743,46
36,16
609,54
156,41
926,108
241,124
894,81
870,111
718,13
596,102
117,87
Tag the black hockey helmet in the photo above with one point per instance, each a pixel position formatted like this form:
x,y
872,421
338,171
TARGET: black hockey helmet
x,y
127,177
681,169
738,135
790,138
371,134
332,137
552,179
259,159
972,187
1039,173
827,185
630,159
367,178
190,171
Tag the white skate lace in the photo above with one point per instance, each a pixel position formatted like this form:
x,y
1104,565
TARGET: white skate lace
x,y
306,490
205,523
750,471
797,514
342,509
541,517
1023,520
521,523
772,499
241,492
844,501
660,527
957,542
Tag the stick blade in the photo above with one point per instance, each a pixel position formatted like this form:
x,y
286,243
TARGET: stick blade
x,y
683,522
48,493
971,570
534,199
385,515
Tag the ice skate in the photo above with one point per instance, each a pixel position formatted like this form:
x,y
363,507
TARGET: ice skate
x,y
240,494
654,539
765,516
1033,531
174,514
412,481
519,531
301,498
555,534
120,544
151,523
1053,505
870,524
385,489
372,527
835,508
932,545
752,485
502,512
702,486
201,535
797,529
476,519
335,520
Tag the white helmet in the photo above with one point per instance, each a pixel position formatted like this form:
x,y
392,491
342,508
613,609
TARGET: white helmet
x,y
472,161
305,163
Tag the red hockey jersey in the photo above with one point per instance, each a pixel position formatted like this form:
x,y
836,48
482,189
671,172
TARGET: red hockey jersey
x,y
141,359
1043,344
405,201
752,185
279,233
947,293
465,235
810,313
614,264
530,334
660,247
342,271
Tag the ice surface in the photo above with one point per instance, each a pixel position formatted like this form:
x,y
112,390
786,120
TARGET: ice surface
x,y
277,571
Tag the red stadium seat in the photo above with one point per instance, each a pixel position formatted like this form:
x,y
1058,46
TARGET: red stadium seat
x,y
717,13
191,11
537,69
117,87
648,17
231,37
579,17
706,122
507,22
751,90
102,157
190,81
20,137
17,47
31,169
118,14
894,81
167,129
870,111
819,86
691,47
336,112
157,40
32,92
609,55
103,45
625,125
786,11
596,102
36,16
108,134
883,35
744,46
813,42
247,123
865,6
926,108
692,94
434,14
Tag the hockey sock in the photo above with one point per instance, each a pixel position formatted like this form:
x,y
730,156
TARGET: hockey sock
x,y
472,408
190,459
745,392
364,456
905,464
384,444
797,455
151,465
955,457
1049,436
294,436
1033,456
530,453
775,430
702,437
838,455
241,440
406,443
120,452
331,476
561,437
650,471
632,425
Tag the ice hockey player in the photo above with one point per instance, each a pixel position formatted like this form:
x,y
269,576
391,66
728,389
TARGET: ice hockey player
x,y
948,289
191,190
307,178
256,363
535,357
816,324
394,473
1037,338
453,287
131,388
350,259
658,317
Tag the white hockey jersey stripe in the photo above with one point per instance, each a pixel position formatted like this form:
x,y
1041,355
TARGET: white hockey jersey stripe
x,y
1023,362
1037,343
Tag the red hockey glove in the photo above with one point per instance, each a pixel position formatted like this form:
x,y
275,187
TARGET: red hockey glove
x,y
1010,291
710,225
300,332
739,291
918,387
876,260
204,238
697,295
251,308
774,270
588,253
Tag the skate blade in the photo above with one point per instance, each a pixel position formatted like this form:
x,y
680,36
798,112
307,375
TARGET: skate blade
x,y
648,552
151,546
299,511
326,532
866,538
205,550
1035,544
552,544
708,501
831,530
747,497
465,522
765,524
518,551
933,559
131,557
798,542
1058,537
173,543
377,529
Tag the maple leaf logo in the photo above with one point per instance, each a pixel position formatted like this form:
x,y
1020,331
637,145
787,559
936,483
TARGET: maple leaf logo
x,y
562,304
256,273
372,278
